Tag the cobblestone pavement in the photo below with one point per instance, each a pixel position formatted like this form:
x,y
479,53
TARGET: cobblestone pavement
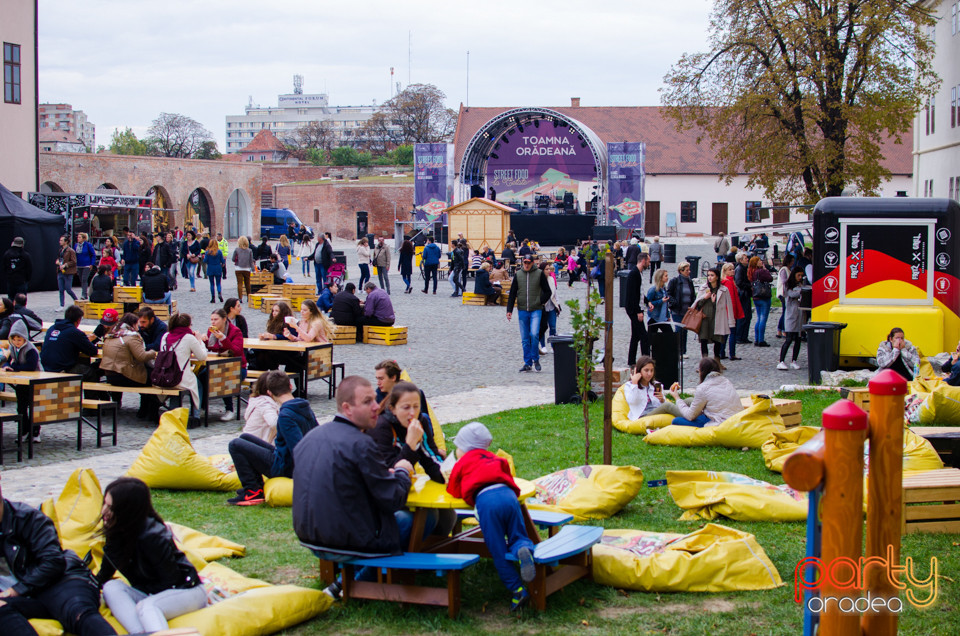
x,y
451,350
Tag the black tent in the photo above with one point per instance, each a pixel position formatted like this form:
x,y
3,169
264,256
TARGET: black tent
x,y
41,232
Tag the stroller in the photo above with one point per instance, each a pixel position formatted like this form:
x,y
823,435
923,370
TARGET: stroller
x,y
337,273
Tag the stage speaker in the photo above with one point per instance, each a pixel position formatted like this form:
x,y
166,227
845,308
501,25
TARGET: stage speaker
x,y
604,232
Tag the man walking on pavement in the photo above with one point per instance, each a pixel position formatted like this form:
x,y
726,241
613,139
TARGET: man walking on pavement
x,y
529,291
431,261
635,305
656,256
322,260
721,246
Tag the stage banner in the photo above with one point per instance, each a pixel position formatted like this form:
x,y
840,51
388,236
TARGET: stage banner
x,y
625,181
433,181
539,160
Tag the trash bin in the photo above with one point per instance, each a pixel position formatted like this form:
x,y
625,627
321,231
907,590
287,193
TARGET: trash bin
x,y
694,265
669,252
622,275
564,369
665,347
823,348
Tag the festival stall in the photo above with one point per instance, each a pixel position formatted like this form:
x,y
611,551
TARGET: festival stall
x,y
41,233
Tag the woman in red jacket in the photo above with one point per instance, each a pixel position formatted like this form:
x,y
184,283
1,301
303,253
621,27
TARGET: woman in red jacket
x,y
726,276
225,339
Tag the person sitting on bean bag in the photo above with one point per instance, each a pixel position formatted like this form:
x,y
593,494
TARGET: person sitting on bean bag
x,y
714,400
898,353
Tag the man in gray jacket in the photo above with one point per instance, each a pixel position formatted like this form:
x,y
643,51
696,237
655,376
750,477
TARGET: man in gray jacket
x,y
529,291
656,256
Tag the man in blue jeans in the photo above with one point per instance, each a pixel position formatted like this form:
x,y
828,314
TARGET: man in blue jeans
x,y
529,291
322,260
131,258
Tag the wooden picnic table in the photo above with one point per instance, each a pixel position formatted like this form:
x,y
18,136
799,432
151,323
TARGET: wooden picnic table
x,y
54,397
316,358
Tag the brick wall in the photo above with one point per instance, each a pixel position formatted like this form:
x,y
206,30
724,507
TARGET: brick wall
x,y
332,207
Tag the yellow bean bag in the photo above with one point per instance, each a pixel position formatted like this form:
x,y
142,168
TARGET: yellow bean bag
x,y
750,427
709,495
714,558
76,515
437,428
781,443
168,460
588,492
942,406
622,422
918,454
278,491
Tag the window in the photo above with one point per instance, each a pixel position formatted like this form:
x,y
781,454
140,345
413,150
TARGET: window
x,y
263,157
753,211
11,73
688,211
953,19
928,187
930,112
956,189
950,188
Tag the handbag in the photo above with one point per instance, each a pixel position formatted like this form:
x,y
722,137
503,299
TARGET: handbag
x,y
761,290
692,319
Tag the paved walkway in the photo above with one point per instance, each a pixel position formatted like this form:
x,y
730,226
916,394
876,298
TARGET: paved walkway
x,y
452,351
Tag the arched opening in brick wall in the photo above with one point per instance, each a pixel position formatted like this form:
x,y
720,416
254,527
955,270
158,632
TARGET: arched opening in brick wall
x,y
50,186
163,217
200,211
239,221
108,186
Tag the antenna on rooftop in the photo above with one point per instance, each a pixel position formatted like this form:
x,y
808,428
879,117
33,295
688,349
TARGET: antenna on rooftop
x,y
298,84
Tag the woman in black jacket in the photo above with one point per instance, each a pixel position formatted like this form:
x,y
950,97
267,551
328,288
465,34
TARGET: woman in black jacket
x,y
163,582
682,294
101,288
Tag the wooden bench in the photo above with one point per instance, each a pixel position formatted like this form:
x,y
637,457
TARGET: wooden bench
x,y
94,311
479,300
162,310
343,334
391,585
562,559
946,441
128,294
790,410
547,520
182,395
11,416
387,336
102,407
931,501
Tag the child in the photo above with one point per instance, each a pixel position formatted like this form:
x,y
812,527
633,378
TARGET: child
x,y
260,418
483,480
22,356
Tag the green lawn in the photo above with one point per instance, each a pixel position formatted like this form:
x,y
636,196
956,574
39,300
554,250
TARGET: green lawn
x,y
544,439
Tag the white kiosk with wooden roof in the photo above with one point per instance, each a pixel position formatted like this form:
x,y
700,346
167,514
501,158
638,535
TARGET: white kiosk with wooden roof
x,y
481,221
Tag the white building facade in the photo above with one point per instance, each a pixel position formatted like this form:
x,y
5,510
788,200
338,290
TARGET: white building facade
x,y
936,130
19,167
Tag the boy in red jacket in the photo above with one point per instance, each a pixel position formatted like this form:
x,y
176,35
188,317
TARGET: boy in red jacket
x,y
483,480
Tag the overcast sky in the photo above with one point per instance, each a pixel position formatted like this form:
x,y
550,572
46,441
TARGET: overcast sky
x,y
125,61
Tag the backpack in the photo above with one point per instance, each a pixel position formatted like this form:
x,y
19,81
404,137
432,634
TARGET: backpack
x,y
167,372
761,290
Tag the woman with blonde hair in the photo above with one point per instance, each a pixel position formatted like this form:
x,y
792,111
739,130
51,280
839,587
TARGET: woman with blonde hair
x,y
243,265
283,251
313,325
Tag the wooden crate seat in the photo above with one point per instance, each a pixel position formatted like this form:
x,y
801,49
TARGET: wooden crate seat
x,y
162,310
127,294
94,311
790,410
387,336
343,334
931,501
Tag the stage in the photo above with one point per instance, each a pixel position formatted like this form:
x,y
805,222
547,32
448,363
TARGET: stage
x,y
553,229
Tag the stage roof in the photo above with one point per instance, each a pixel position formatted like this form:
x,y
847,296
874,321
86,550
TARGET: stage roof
x,y
667,151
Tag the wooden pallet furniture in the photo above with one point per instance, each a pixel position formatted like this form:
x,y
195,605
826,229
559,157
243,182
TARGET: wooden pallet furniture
x,y
162,310
128,294
790,410
386,336
268,303
301,290
94,311
858,395
343,334
931,501
945,440
479,300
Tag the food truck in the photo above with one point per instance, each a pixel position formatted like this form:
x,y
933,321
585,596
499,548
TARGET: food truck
x,y
881,263
100,214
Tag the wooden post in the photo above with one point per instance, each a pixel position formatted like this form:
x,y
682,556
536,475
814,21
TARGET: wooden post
x,y
884,494
610,274
841,512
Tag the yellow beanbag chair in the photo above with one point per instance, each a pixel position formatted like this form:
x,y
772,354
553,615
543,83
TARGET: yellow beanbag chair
x,y
942,406
781,443
437,429
168,460
588,492
205,546
708,495
622,422
250,607
278,491
918,454
750,427
76,515
712,559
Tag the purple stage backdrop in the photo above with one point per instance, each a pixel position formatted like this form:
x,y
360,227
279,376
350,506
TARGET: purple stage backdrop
x,y
433,181
540,160
625,177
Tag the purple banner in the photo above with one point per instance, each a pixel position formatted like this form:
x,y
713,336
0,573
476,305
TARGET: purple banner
x,y
625,177
544,160
433,181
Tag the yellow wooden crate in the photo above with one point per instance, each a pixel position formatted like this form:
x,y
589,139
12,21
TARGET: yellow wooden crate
x,y
256,300
930,501
94,311
261,278
479,300
162,311
387,336
343,335
128,294
790,410
299,290
269,301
